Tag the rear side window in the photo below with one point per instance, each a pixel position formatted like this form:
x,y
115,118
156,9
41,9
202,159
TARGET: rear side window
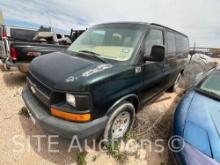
x,y
22,34
171,43
186,44
182,43
155,37
59,36
1,31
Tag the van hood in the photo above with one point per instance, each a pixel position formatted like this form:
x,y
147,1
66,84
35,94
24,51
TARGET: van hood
x,y
62,71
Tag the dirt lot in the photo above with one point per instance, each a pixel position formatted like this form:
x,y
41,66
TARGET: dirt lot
x,y
154,121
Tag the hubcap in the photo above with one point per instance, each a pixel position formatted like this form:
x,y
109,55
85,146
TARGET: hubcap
x,y
120,125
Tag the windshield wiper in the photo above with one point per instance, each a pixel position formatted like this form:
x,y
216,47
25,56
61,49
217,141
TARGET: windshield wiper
x,y
95,55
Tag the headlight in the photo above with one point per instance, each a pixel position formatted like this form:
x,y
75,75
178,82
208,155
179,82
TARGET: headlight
x,y
71,99
79,102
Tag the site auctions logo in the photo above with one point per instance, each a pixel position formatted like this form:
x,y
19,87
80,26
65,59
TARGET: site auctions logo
x,y
175,144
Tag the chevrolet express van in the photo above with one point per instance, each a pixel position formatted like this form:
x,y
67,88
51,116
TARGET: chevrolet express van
x,y
97,85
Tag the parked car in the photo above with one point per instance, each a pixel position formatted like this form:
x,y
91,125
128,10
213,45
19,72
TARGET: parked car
x,y
197,67
96,86
197,121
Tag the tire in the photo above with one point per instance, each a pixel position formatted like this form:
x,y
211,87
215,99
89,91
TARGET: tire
x,y
174,87
6,67
123,110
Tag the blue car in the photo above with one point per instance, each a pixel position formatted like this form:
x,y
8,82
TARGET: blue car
x,y
197,123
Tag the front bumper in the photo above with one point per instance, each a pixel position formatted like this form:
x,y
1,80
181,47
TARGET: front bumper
x,y
63,128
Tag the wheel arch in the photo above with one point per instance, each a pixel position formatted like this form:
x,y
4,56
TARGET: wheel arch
x,y
133,98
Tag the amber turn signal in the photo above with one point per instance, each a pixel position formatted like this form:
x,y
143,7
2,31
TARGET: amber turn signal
x,y
70,116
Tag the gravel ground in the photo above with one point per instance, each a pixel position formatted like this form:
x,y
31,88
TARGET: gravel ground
x,y
154,121
22,129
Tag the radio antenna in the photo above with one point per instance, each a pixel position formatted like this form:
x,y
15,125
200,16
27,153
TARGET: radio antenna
x,y
50,21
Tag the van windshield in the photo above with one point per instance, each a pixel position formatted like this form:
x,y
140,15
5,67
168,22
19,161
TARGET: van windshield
x,y
116,43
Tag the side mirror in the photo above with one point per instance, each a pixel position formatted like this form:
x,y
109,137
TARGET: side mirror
x,y
157,54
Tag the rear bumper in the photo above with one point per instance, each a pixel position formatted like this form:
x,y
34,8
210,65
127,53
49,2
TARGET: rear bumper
x,y
63,128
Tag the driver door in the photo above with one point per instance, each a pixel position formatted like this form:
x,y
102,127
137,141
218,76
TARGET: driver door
x,y
153,78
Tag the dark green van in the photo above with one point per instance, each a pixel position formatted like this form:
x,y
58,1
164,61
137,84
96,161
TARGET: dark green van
x,y
97,85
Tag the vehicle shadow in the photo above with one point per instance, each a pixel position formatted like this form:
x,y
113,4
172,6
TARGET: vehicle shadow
x,y
155,120
14,79
59,152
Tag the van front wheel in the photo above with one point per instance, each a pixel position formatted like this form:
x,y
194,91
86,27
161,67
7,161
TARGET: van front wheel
x,y
120,121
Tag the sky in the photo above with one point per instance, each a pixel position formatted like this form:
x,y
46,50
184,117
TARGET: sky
x,y
199,19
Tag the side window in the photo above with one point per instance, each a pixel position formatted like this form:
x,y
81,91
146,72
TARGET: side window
x,y
0,32
155,37
179,43
22,34
171,43
186,44
182,44
59,36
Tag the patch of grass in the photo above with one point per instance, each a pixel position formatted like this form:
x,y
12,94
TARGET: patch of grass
x,y
162,163
94,158
113,150
24,112
81,158
130,135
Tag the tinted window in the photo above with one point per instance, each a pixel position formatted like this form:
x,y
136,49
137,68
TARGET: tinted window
x,y
22,34
59,36
171,43
155,37
186,44
0,32
182,44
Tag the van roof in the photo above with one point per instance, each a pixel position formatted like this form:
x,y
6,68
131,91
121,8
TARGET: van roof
x,y
154,24
145,24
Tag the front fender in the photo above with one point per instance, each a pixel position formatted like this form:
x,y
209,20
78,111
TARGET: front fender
x,y
133,97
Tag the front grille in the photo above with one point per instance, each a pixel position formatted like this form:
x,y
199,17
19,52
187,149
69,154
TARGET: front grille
x,y
38,89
